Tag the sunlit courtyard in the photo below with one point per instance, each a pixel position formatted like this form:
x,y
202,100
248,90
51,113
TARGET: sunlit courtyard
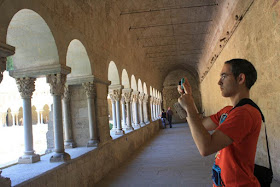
x,y
12,142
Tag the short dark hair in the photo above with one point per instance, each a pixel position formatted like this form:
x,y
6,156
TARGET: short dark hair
x,y
239,66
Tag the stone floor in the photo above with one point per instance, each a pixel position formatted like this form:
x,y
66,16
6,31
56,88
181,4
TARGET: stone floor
x,y
170,159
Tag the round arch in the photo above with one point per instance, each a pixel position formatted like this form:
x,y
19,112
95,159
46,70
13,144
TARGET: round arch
x,y
140,88
77,58
113,74
35,45
125,79
145,88
133,83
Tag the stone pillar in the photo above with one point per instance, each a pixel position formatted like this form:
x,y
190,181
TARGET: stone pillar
x,y
135,95
145,104
38,116
42,120
141,116
13,118
127,96
67,120
116,95
152,108
90,92
113,101
17,118
26,87
124,124
57,82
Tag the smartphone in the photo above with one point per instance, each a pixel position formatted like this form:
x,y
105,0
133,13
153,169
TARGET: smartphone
x,y
181,84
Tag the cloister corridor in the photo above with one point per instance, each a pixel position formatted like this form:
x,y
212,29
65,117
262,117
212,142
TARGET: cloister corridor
x,y
89,78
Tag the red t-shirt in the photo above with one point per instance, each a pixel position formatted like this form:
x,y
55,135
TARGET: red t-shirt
x,y
242,125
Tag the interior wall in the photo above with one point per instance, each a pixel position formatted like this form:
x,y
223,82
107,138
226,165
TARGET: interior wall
x,y
256,39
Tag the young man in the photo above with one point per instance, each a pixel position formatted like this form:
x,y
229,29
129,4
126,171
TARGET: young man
x,y
236,129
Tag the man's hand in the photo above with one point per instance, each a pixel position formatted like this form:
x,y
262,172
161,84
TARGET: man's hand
x,y
186,98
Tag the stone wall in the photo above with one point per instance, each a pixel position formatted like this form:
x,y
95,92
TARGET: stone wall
x,y
257,39
93,166
79,112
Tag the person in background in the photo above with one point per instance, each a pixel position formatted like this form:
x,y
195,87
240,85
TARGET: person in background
x,y
169,116
163,118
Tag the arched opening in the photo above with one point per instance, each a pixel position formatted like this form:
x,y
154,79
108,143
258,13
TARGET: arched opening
x,y
125,79
35,51
77,58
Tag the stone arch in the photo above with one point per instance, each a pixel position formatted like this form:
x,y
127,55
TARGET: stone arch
x,y
133,83
140,88
33,40
77,58
154,92
145,88
113,74
170,93
125,79
151,91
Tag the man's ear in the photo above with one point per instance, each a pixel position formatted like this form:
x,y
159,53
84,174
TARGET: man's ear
x,y
241,78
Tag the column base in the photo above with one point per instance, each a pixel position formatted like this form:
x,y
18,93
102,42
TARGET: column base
x,y
28,159
60,157
5,182
70,144
137,126
119,132
142,124
147,122
129,128
92,143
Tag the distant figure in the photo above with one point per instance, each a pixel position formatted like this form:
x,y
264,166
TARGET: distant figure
x,y
163,118
169,116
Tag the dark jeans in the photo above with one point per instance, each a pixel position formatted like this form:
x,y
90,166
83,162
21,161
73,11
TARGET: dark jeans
x,y
170,121
163,122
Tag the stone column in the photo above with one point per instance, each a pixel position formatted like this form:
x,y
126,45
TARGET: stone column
x,y
152,108
113,101
117,94
13,118
17,118
38,116
141,116
26,87
127,96
67,119
135,95
145,104
42,120
124,124
57,82
90,92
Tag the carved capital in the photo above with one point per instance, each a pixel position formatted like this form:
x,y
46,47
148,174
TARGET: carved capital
x,y
90,89
26,86
57,82
115,95
67,94
141,98
146,98
134,97
126,96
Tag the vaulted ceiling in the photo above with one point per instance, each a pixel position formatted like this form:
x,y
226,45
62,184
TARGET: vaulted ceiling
x,y
186,34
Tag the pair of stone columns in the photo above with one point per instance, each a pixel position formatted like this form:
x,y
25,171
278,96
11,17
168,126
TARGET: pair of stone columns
x,y
115,96
90,93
